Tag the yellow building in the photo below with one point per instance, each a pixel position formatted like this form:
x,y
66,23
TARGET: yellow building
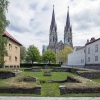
x,y
13,49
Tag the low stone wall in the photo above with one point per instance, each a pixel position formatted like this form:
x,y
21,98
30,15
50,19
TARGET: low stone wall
x,y
34,69
36,90
72,80
97,67
66,90
61,69
89,74
72,70
28,79
7,74
82,85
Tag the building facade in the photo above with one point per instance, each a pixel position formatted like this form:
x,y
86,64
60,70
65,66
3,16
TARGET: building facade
x,y
44,48
77,57
53,37
93,52
13,49
87,56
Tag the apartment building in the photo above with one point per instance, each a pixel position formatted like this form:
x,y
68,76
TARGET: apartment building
x,y
87,56
13,49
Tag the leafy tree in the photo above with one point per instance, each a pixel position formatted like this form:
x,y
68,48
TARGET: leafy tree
x,y
32,54
3,24
22,53
63,54
48,56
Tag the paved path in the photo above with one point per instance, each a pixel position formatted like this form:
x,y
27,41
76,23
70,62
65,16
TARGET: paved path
x,y
48,98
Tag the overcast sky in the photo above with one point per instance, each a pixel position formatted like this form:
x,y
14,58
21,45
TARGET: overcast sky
x,y
30,20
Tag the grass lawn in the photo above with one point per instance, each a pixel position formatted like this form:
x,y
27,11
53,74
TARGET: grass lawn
x,y
48,89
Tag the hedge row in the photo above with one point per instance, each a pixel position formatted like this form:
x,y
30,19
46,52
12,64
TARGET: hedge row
x,y
27,65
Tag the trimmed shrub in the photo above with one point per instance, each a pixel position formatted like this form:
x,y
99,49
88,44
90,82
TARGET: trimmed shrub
x,y
27,65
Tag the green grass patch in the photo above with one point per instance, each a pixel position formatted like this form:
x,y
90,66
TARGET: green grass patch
x,y
97,80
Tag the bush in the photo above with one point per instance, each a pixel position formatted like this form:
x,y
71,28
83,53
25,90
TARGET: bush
x,y
42,81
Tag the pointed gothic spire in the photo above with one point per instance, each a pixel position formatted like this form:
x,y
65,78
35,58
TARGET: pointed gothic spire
x,y
53,23
67,20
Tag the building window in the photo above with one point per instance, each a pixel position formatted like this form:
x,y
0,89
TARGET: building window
x,y
68,39
89,50
15,58
16,49
84,51
9,58
96,48
96,58
88,59
83,60
10,47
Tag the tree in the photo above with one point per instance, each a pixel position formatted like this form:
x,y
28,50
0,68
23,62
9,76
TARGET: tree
x,y
22,53
48,56
63,54
32,54
3,24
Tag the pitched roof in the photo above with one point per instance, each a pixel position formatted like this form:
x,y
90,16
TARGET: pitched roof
x,y
77,47
6,34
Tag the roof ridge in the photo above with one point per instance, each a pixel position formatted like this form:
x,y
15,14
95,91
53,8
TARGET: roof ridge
x,y
10,36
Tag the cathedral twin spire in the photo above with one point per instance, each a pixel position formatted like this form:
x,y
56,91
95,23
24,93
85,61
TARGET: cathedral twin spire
x,y
53,38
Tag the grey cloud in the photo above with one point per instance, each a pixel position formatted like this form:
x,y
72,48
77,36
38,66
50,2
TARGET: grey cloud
x,y
42,33
86,19
17,29
33,6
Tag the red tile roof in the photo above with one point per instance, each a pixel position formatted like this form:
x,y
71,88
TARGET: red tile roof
x,y
6,34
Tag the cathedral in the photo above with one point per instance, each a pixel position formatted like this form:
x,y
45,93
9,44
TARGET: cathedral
x,y
53,38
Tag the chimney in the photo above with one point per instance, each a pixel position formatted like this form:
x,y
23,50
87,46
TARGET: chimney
x,y
87,40
92,39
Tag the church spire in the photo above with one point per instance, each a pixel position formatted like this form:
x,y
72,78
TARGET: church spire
x,y
67,21
53,23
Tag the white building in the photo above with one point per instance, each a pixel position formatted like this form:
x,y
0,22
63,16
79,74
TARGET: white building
x,y
77,57
87,56
93,52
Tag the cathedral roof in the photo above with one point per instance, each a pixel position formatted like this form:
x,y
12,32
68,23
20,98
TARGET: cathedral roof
x,y
53,23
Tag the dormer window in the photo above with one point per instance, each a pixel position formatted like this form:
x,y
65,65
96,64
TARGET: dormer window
x,y
10,47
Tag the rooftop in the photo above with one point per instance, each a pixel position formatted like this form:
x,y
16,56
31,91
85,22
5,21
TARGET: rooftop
x,y
6,34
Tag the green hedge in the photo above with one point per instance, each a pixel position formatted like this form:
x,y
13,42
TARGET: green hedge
x,y
27,65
